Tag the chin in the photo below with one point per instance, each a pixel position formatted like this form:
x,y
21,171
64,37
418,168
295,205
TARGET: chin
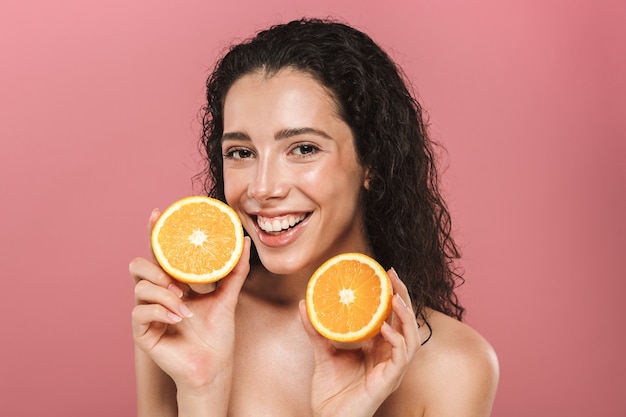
x,y
280,264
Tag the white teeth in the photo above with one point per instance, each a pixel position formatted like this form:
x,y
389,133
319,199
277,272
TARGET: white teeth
x,y
276,225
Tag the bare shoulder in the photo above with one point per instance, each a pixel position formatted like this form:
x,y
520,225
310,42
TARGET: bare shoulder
x,y
455,373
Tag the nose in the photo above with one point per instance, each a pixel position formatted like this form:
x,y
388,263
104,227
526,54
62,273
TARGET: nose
x,y
269,181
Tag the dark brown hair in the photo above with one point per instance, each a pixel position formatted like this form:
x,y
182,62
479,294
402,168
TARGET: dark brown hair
x,y
406,218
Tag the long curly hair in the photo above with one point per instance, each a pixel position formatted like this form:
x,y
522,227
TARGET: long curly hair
x,y
406,219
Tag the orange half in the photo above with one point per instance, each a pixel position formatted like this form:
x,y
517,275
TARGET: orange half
x,y
198,240
348,298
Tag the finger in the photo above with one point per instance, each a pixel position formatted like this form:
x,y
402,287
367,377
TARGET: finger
x,y
404,335
399,287
401,291
151,317
399,354
403,311
154,216
149,293
141,268
393,370
232,283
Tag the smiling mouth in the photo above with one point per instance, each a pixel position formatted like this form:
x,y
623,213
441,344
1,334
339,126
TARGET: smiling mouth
x,y
276,225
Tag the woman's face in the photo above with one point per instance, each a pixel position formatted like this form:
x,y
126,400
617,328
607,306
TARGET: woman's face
x,y
291,171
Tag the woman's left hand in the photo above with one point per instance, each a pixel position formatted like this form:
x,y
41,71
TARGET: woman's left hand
x,y
356,382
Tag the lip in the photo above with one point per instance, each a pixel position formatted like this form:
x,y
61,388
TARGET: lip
x,y
281,239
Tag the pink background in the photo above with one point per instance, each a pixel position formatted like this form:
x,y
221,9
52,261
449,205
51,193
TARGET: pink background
x,y
98,106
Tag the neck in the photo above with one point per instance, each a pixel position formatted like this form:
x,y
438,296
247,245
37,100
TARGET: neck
x,y
285,290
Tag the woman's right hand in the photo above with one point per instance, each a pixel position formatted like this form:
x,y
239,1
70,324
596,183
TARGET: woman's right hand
x,y
189,336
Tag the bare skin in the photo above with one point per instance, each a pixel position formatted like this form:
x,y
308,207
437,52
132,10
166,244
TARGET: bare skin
x,y
248,348
454,374
275,362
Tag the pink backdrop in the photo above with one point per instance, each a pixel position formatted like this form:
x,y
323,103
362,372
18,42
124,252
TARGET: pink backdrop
x,y
98,103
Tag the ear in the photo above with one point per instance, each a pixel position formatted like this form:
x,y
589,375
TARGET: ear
x,y
368,178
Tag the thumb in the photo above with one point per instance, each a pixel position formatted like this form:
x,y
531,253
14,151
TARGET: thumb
x,y
321,345
232,283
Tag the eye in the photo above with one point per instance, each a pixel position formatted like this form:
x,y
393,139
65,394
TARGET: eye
x,y
305,149
238,153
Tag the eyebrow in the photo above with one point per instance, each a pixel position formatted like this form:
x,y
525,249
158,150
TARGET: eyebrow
x,y
281,134
287,133
235,136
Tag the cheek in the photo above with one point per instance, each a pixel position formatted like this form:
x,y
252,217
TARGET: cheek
x,y
234,185
312,176
333,185
341,168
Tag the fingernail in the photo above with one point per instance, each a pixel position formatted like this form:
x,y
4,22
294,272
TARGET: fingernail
x,y
185,310
400,300
394,273
154,213
174,288
173,317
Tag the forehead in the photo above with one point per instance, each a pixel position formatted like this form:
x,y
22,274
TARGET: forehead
x,y
290,94
287,77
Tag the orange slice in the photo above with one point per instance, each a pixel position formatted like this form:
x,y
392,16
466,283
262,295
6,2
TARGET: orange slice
x,y
348,298
198,240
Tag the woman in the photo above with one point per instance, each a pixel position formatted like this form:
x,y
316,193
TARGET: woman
x,y
313,138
